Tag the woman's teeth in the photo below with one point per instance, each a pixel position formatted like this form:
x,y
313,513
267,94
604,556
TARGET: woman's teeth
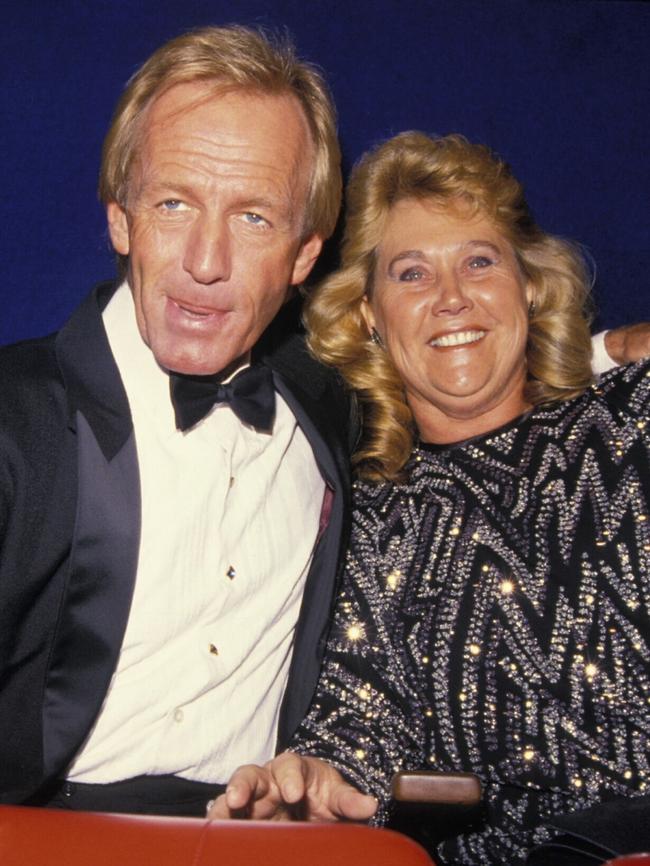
x,y
459,338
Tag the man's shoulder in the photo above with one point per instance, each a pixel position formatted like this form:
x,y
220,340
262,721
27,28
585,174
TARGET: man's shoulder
x,y
31,386
47,361
28,363
32,375
35,360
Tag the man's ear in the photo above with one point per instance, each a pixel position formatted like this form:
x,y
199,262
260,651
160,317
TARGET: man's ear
x,y
118,228
306,259
367,314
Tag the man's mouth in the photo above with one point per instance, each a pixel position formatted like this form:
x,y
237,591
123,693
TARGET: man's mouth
x,y
188,317
187,314
194,311
458,338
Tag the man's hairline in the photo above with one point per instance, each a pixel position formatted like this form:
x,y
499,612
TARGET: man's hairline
x,y
219,87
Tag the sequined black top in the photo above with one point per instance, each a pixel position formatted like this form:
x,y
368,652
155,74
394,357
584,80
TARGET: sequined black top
x,y
494,619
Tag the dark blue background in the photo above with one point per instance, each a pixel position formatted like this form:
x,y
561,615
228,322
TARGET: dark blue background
x,y
561,89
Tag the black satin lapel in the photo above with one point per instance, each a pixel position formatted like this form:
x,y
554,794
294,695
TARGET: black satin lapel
x,y
317,599
92,380
100,586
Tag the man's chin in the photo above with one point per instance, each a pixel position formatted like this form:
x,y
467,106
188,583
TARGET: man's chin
x,y
191,369
203,365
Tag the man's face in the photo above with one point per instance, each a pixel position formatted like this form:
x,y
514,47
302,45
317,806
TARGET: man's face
x,y
214,222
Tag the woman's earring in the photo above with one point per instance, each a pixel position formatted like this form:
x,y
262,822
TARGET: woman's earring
x,y
375,338
532,309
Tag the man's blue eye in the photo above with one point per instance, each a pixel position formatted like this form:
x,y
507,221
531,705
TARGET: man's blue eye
x,y
171,204
254,218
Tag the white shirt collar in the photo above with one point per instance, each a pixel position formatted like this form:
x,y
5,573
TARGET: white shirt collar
x,y
145,381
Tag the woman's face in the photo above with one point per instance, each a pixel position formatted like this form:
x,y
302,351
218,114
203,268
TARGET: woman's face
x,y
451,307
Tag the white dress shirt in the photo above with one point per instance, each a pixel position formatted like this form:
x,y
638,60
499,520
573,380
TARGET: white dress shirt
x,y
601,361
229,522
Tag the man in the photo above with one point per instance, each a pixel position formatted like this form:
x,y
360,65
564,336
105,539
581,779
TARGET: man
x,y
164,575
167,574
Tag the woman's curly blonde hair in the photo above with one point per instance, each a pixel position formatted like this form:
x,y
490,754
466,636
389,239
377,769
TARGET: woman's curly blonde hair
x,y
445,170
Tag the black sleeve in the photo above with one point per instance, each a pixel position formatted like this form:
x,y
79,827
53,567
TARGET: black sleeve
x,y
368,715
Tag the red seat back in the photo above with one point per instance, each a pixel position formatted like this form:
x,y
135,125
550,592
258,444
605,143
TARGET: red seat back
x,y
50,837
630,860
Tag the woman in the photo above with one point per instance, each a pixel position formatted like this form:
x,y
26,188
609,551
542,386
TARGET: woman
x,y
494,613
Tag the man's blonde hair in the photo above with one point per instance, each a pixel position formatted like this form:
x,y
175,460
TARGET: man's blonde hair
x,y
236,58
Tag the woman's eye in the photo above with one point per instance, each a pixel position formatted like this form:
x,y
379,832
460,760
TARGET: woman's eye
x,y
478,262
411,275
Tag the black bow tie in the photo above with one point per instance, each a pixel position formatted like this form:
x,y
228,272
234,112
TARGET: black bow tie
x,y
250,394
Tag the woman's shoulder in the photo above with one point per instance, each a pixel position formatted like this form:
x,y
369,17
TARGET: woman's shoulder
x,y
626,388
372,496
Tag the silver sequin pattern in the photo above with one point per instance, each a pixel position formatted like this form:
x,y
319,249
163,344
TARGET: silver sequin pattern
x,y
494,619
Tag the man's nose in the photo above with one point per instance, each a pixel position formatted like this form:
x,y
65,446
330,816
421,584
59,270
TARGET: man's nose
x,y
208,251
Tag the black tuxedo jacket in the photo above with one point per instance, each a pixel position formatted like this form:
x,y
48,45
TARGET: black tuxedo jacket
x,y
69,536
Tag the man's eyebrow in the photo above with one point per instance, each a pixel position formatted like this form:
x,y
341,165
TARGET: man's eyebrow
x,y
259,201
169,188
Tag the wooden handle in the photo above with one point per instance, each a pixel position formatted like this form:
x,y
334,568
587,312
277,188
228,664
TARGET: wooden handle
x,y
422,786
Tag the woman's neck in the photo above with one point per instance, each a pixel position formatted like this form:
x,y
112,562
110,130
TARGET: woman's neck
x,y
444,428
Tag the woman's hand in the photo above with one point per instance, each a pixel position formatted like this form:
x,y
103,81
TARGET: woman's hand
x,y
292,787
